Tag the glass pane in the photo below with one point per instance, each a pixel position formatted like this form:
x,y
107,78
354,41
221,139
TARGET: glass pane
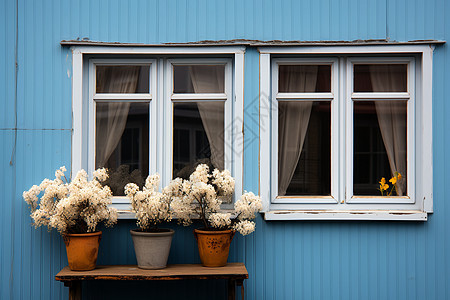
x,y
379,147
199,79
380,78
122,143
122,79
304,148
198,132
304,79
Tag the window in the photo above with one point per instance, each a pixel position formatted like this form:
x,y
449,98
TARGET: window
x,y
339,123
122,97
157,112
201,105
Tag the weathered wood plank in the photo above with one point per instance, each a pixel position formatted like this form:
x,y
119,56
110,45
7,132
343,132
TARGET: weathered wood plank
x,y
172,272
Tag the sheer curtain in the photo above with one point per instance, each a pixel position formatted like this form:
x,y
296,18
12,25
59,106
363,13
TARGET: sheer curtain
x,y
293,122
392,119
111,122
211,80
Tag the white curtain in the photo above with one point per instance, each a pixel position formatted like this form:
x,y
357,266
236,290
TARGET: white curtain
x,y
293,122
111,120
206,79
392,119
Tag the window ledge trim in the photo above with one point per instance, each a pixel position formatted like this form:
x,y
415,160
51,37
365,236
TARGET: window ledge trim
x,y
357,215
127,214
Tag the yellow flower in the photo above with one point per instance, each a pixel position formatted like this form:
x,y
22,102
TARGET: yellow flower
x,y
393,180
399,176
383,185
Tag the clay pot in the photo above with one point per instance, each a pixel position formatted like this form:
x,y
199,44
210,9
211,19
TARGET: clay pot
x,y
213,246
152,248
82,250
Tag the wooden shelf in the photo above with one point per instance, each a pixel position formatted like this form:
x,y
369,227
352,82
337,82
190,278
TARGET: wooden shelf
x,y
234,272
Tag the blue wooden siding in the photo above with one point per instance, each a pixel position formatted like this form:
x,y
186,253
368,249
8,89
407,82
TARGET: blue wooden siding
x,y
286,260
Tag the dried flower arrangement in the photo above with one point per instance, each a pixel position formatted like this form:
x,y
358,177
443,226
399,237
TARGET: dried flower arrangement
x,y
72,207
201,195
151,207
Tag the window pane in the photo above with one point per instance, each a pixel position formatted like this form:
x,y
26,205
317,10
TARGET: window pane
x,y
379,146
121,143
199,79
304,79
122,79
304,148
198,131
380,78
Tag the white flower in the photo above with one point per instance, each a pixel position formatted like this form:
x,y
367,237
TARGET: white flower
x,y
201,196
247,206
245,227
201,174
151,207
31,196
60,172
69,207
220,220
224,182
183,209
101,174
131,189
152,182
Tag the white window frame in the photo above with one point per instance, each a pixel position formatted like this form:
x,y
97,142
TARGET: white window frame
x,y
123,97
408,96
419,201
327,97
84,59
198,97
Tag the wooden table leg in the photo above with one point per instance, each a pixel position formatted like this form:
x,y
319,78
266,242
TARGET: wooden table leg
x,y
74,289
231,289
240,283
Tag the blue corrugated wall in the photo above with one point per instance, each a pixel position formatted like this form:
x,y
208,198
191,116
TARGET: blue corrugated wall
x,y
285,260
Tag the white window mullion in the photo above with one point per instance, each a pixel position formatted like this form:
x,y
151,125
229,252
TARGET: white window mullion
x,y
411,133
153,116
348,104
341,103
238,123
335,131
92,123
266,189
228,120
202,97
273,111
130,97
312,96
167,142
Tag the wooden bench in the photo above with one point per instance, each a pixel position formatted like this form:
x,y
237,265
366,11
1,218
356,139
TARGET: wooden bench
x,y
235,273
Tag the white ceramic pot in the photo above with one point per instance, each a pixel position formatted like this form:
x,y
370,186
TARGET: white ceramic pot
x,y
152,248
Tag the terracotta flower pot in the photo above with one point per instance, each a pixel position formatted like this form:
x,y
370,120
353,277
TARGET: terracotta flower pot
x,y
82,250
152,248
213,246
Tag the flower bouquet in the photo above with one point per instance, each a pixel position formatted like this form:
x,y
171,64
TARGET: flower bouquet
x,y
200,197
75,209
151,243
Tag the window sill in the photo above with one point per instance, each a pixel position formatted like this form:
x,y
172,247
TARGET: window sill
x,y
378,215
126,214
